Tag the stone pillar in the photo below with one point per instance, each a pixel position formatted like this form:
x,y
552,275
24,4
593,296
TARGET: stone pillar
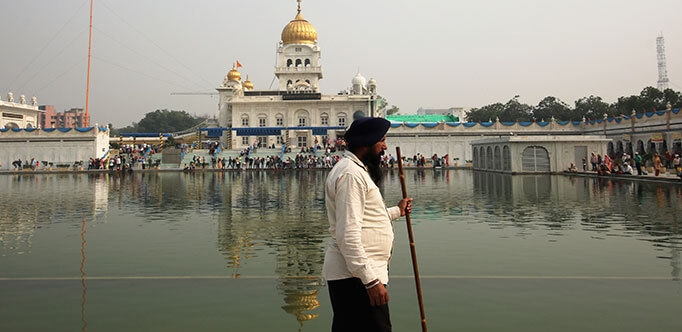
x,y
668,111
633,117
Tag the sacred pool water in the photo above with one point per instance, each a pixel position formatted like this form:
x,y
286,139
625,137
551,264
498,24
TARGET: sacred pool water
x,y
243,251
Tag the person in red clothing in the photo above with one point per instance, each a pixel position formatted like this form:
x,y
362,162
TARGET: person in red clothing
x,y
657,164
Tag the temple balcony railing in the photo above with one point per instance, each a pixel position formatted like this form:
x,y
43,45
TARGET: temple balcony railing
x,y
302,70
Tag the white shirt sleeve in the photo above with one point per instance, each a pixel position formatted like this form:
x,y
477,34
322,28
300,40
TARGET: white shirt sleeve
x,y
393,212
350,202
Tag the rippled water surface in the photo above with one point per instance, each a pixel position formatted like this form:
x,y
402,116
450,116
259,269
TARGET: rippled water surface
x,y
243,251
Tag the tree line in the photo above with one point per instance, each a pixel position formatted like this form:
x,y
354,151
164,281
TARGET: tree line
x,y
592,107
160,121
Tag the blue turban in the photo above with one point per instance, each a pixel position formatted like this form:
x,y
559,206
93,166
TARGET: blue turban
x,y
366,131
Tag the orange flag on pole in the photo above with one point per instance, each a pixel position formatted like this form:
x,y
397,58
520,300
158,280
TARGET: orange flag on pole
x,y
238,64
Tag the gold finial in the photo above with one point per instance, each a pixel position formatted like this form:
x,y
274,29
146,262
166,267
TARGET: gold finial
x,y
299,31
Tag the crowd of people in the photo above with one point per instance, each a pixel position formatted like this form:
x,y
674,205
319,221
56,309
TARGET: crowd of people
x,y
26,164
129,156
307,158
243,161
623,163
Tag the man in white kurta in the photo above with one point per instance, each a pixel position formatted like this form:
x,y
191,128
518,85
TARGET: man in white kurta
x,y
361,227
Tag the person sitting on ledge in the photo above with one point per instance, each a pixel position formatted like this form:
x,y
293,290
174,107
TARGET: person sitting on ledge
x,y
627,169
603,170
572,168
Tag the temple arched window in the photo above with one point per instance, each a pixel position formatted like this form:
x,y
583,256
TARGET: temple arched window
x,y
497,159
341,117
489,158
506,158
535,159
475,160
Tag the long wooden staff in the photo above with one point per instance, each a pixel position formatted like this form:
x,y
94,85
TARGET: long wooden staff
x,y
413,250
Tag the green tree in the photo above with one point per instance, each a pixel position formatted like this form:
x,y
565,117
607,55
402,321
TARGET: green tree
x,y
592,107
132,128
167,121
393,110
381,104
552,107
485,113
673,97
650,99
625,105
653,96
516,111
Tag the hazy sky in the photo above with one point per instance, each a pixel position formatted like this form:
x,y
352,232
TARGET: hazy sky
x,y
430,53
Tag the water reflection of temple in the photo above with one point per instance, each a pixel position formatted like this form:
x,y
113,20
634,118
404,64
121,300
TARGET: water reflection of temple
x,y
284,212
300,296
29,202
649,211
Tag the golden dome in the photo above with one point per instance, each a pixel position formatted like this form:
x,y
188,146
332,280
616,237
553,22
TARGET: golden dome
x,y
234,75
299,31
247,84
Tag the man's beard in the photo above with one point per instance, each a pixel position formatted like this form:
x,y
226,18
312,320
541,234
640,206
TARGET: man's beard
x,y
373,162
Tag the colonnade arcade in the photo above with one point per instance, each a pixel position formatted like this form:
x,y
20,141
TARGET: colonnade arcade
x,y
618,147
492,157
498,158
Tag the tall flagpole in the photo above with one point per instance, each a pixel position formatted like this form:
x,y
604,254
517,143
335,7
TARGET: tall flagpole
x,y
87,87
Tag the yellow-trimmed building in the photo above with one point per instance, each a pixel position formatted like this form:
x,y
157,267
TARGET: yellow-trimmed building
x,y
297,113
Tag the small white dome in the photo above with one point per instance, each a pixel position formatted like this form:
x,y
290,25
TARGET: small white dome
x,y
372,82
359,79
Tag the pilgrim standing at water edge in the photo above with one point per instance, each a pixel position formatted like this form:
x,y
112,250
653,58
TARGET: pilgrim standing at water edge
x,y
361,227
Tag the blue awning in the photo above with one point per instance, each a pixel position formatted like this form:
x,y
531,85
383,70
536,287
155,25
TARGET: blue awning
x,y
258,131
276,131
144,135
320,131
214,132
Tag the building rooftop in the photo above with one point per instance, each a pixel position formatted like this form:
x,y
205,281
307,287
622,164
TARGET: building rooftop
x,y
422,118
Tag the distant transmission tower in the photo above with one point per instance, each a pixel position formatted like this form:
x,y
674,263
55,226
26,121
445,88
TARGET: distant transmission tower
x,y
662,67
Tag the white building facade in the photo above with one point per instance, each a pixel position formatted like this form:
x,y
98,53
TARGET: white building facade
x,y
19,113
59,146
535,154
297,114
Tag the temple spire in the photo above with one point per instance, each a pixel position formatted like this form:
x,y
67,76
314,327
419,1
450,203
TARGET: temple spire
x,y
299,6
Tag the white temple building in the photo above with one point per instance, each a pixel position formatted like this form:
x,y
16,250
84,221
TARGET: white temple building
x,y
297,113
21,137
19,113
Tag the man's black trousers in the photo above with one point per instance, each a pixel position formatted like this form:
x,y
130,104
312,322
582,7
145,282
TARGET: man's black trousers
x,y
352,311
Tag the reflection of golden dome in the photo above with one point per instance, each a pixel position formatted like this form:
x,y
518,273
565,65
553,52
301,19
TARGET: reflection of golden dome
x,y
299,31
234,75
298,303
247,84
